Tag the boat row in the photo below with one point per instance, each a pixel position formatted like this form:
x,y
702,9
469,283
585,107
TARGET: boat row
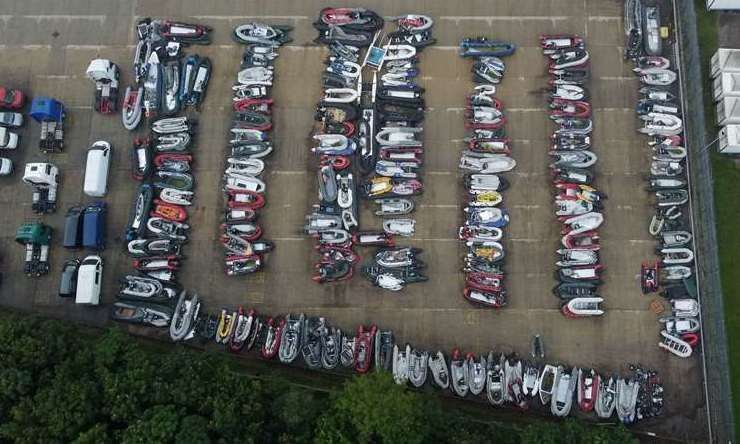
x,y
578,204
659,111
367,140
334,220
249,146
485,158
503,379
166,80
391,151
171,82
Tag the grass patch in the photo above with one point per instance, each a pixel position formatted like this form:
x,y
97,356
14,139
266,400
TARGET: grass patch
x,y
727,205
707,31
727,208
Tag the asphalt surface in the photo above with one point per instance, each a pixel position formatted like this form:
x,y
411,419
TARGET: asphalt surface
x,y
52,59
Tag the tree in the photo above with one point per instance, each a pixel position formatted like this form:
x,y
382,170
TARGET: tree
x,y
294,414
159,424
372,408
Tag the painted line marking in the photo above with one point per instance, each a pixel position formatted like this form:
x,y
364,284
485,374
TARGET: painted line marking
x,y
492,18
38,18
287,173
244,17
439,206
619,78
56,76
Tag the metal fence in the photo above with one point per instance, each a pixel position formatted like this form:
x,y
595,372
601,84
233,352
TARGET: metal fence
x,y
714,338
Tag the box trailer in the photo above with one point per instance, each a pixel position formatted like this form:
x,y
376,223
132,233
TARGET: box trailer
x,y
726,85
718,5
725,60
728,111
729,139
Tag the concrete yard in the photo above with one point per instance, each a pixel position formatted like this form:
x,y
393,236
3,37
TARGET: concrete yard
x,y
46,47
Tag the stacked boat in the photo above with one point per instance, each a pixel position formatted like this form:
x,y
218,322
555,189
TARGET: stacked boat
x,y
367,139
577,201
166,81
659,112
171,83
485,158
391,151
249,145
335,218
504,380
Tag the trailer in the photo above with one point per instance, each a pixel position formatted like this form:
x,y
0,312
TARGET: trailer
x,y
728,111
725,60
726,85
36,237
44,178
729,139
50,114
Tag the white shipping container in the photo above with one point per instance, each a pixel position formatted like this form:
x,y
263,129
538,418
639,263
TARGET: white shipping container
x,y
728,111
726,85
715,5
729,139
725,60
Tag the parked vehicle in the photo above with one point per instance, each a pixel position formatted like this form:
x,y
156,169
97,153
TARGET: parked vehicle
x,y
44,178
93,226
50,114
72,237
10,119
36,237
11,98
96,169
6,166
105,75
89,279
8,139
68,281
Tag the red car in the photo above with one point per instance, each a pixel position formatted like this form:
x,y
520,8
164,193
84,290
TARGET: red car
x,y
11,98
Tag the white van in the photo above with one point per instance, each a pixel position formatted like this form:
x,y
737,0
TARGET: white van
x,y
89,278
96,169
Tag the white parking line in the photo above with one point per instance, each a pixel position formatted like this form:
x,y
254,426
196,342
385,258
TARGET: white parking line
x,y
246,17
439,206
492,18
439,173
288,173
38,18
55,76
619,78
603,18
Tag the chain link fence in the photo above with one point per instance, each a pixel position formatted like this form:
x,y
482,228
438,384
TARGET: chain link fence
x,y
714,338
